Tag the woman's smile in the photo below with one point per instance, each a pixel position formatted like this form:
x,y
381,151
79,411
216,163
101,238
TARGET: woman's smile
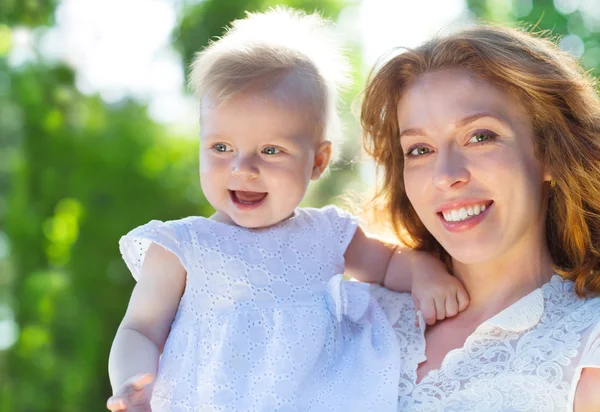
x,y
465,218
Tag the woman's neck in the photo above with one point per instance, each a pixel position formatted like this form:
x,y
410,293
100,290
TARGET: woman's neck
x,y
495,285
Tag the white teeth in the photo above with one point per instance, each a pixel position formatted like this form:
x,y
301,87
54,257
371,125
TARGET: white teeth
x,y
457,215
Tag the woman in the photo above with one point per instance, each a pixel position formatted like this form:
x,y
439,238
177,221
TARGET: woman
x,y
489,145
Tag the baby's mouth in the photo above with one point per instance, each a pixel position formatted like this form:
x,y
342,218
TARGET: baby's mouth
x,y
247,198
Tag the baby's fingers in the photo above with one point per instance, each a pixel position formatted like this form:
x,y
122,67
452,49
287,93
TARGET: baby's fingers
x,y
451,306
417,310
463,299
135,385
428,310
138,382
130,393
440,309
116,403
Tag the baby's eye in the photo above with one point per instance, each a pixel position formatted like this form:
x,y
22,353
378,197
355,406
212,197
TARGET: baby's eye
x,y
418,151
221,147
271,150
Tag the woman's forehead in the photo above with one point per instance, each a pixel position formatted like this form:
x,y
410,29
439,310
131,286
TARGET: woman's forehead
x,y
451,95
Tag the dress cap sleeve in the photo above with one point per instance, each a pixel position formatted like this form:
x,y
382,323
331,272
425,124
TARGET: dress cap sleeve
x,y
590,354
134,245
343,223
590,357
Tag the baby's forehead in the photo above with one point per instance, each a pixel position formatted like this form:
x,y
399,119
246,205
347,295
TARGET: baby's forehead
x,y
291,89
298,88
243,103
258,112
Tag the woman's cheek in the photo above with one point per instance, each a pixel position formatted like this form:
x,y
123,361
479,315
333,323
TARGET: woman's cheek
x,y
415,183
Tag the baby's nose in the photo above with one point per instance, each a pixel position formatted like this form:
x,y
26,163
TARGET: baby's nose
x,y
245,168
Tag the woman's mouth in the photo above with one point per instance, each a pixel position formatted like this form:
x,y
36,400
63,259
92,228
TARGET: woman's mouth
x,y
247,200
464,217
465,212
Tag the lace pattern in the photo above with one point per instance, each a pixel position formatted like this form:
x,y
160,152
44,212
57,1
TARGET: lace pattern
x,y
266,322
523,359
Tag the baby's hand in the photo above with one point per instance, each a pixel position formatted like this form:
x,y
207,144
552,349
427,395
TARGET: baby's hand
x,y
436,293
133,395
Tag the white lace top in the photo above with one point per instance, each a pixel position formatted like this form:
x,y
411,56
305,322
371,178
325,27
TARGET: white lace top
x,y
266,322
526,358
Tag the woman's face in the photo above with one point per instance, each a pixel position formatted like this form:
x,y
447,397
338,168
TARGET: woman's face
x,y
470,169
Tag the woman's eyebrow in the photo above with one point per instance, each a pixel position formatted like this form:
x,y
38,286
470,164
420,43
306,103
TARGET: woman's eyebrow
x,y
473,117
415,131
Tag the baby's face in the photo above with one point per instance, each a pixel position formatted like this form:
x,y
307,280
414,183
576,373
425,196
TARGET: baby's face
x,y
257,157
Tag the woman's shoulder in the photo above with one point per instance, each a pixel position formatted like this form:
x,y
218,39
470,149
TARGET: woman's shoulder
x,y
561,298
578,317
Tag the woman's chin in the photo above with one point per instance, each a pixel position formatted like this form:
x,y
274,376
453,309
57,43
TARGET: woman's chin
x,y
468,254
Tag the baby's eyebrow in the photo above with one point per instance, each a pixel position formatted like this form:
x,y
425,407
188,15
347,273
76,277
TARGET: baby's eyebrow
x,y
213,136
287,138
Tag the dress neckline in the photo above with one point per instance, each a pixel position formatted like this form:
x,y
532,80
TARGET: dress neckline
x,y
518,317
294,216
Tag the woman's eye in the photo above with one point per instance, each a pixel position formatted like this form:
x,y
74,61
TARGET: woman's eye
x,y
221,147
419,151
482,136
271,150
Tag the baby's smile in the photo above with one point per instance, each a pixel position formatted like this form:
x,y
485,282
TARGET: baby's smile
x,y
247,200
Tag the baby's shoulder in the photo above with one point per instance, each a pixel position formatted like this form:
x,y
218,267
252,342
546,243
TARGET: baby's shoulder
x,y
176,236
177,229
330,216
329,212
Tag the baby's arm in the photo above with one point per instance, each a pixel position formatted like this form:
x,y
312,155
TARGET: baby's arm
x,y
144,329
367,259
437,294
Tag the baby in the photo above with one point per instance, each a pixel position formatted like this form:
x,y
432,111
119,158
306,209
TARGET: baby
x,y
247,310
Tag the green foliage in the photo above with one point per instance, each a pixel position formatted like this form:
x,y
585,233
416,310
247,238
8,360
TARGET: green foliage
x,y
208,19
85,174
27,12
541,16
75,175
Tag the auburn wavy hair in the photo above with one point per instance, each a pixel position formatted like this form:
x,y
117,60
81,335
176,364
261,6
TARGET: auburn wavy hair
x,y
563,104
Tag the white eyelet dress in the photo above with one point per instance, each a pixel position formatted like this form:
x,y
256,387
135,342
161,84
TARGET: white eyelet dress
x,y
266,322
527,358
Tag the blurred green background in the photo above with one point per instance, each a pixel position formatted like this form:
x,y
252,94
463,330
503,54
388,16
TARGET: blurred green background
x,y
79,168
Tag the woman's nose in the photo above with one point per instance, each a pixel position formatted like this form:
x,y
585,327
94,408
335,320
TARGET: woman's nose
x,y
451,170
245,167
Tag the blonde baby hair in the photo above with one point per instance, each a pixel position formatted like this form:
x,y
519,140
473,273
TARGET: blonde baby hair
x,y
285,54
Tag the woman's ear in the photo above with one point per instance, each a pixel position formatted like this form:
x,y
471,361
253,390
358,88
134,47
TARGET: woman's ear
x,y
548,177
321,160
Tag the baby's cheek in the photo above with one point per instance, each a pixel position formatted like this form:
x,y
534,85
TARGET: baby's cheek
x,y
280,174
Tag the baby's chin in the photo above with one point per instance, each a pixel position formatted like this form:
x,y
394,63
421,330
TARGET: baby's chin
x,y
254,222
